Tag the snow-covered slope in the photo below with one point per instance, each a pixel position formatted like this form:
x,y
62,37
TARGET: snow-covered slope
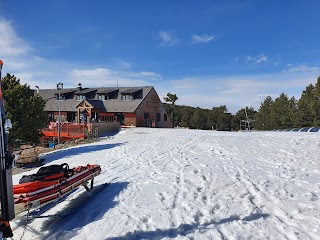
x,y
190,184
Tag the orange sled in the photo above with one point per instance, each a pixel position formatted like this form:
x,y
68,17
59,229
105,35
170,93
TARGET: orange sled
x,y
50,184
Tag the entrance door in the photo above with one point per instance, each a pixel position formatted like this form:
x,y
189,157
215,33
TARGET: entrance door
x,y
71,116
120,117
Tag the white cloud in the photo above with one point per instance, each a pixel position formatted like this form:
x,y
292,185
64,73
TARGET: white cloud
x,y
201,38
123,64
186,83
167,39
10,44
236,92
103,77
242,86
33,70
151,75
256,59
262,58
302,68
206,92
92,73
249,59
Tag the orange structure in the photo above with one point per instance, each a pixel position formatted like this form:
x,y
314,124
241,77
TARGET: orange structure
x,y
67,130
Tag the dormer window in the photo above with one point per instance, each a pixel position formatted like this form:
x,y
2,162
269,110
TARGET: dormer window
x,y
102,97
80,97
126,97
131,94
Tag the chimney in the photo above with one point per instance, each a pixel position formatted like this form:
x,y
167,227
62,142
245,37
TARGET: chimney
x,y
79,87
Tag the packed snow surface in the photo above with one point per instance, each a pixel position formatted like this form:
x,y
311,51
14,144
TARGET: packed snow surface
x,y
190,184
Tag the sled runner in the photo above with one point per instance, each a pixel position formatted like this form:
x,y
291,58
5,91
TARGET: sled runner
x,y
51,183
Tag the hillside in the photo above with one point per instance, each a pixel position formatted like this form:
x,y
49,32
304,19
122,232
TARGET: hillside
x,y
191,184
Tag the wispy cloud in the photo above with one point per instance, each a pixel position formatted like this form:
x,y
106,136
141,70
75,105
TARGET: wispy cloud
x,y
302,68
20,60
123,64
201,38
255,59
11,44
186,83
97,73
237,91
99,77
151,75
262,58
167,39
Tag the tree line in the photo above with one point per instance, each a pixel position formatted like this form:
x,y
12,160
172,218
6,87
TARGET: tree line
x,y
282,112
25,109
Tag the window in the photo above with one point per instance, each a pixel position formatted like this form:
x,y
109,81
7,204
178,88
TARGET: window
x,y
101,97
158,117
80,97
165,117
126,97
107,118
146,116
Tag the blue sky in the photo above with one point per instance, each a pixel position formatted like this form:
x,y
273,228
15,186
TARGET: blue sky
x,y
209,53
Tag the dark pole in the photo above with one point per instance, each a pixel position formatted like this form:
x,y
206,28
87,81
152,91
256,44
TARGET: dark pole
x,y
173,114
6,188
59,87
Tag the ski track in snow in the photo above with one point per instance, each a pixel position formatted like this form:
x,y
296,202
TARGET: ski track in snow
x,y
191,184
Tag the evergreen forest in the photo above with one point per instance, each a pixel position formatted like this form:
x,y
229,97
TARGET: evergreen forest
x,y
283,112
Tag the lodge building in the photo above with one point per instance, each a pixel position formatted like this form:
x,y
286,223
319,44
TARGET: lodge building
x,y
130,106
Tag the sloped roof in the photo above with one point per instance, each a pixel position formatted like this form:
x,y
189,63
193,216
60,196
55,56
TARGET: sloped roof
x,y
96,103
111,105
107,90
130,91
85,90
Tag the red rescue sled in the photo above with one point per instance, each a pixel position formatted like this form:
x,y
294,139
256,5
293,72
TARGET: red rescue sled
x,y
48,185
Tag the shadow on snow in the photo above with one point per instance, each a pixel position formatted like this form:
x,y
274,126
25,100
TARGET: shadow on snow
x,y
50,157
184,229
89,212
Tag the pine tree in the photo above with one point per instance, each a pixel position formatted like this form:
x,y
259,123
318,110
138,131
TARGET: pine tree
x,y
172,98
187,113
264,120
24,109
316,104
306,108
283,112
219,118
198,119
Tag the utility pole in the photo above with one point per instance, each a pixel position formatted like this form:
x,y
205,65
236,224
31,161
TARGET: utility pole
x,y
59,87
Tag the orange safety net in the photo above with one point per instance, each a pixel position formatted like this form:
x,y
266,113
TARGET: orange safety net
x,y
67,130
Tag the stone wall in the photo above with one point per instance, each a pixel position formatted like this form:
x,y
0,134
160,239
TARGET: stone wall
x,y
104,128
